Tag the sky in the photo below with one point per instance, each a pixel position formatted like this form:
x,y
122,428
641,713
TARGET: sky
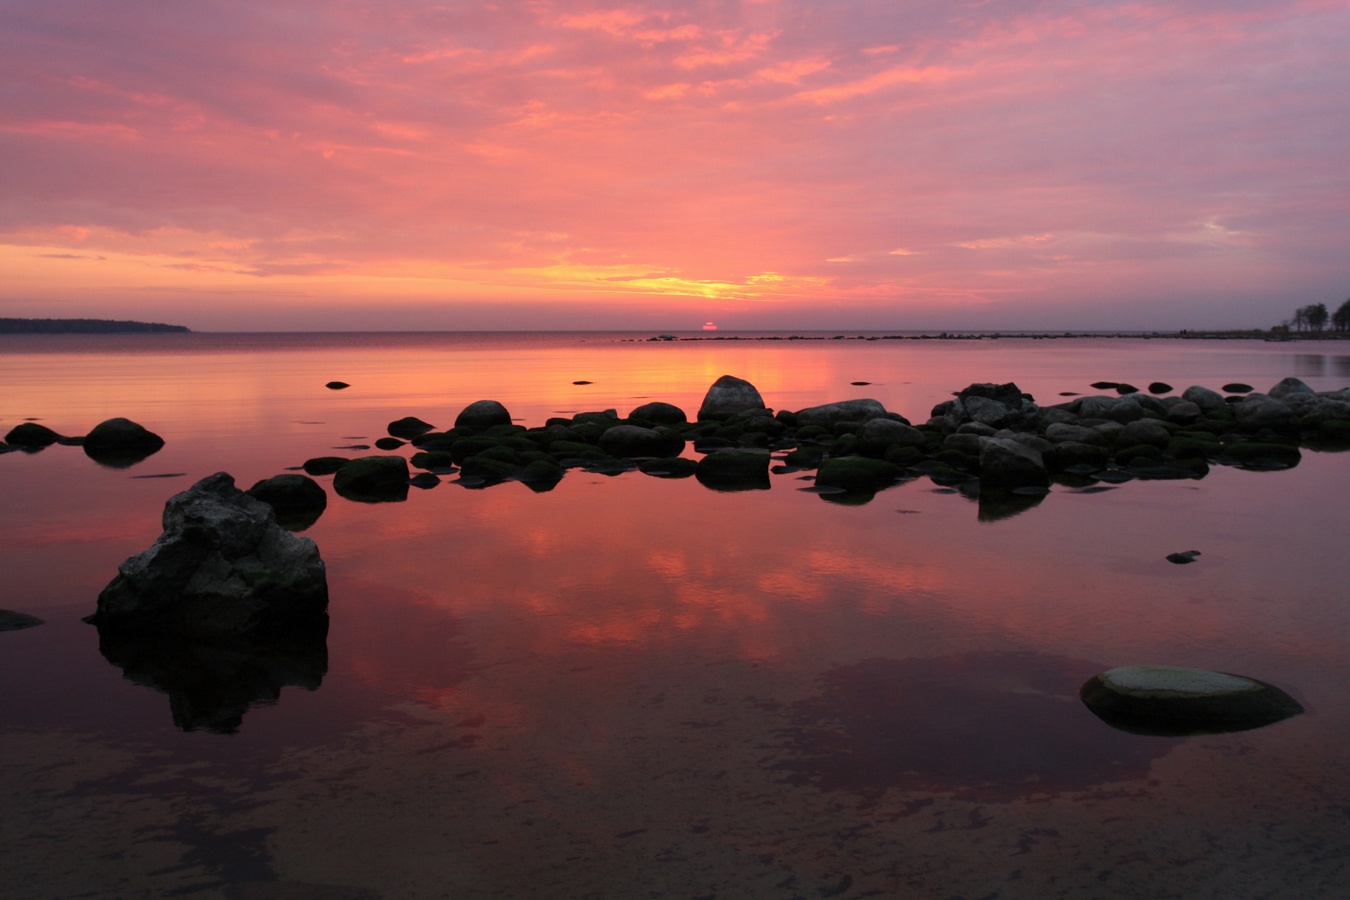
x,y
764,164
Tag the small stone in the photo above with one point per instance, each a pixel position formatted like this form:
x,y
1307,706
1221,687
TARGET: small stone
x,y
1184,557
1159,387
337,385
1238,387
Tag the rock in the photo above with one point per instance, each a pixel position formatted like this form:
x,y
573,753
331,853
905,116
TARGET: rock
x,y
1008,464
1183,413
1238,387
373,479
1126,389
1114,409
483,414
119,443
634,442
324,465
15,621
337,385
31,436
410,427
675,467
1148,431
1204,398
388,443
1262,455
995,405
727,396
830,414
734,470
1078,434
857,473
1170,700
297,500
424,481
1290,386
880,434
1181,559
1104,385
658,413
222,567
1263,411
1159,387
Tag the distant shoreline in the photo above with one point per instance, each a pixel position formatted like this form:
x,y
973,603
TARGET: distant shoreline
x,y
87,326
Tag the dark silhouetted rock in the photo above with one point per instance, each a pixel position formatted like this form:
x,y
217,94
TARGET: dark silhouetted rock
x,y
1005,463
1181,559
830,414
324,465
727,396
1264,411
31,436
734,470
337,385
1238,387
120,442
1104,385
222,567
15,621
995,405
1170,700
658,413
297,500
373,479
410,427
483,414
1290,386
1159,387
857,473
1126,389
1203,397
634,441
675,467
388,443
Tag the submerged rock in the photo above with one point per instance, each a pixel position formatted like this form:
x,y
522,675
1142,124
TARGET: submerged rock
x,y
658,413
734,470
373,479
222,567
1174,701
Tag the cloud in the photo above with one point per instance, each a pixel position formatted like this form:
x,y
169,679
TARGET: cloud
x,y
766,153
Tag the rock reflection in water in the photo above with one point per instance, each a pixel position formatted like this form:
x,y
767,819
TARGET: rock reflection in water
x,y
211,684
982,726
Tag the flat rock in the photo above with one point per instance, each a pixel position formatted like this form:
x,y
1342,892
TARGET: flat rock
x,y
14,621
1173,700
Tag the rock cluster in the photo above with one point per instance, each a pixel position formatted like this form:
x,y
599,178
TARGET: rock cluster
x,y
117,443
992,441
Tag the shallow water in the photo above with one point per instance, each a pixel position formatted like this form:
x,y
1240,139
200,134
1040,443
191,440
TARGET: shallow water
x,y
630,686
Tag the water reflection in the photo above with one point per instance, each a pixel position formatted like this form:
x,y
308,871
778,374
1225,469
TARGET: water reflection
x,y
212,684
983,726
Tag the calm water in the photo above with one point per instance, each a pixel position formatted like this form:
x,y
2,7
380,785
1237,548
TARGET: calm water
x,y
638,687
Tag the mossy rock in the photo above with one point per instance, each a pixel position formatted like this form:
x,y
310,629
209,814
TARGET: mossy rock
x,y
807,457
734,470
857,473
844,445
902,455
1177,701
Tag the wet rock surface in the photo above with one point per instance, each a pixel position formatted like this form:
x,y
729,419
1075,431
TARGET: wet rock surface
x,y
1178,701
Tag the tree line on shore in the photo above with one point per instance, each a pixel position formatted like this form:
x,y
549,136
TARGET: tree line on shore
x,y
1314,317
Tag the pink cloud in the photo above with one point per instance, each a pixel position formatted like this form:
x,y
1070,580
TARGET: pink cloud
x,y
776,152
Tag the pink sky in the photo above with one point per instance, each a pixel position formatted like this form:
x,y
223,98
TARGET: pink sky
x,y
794,164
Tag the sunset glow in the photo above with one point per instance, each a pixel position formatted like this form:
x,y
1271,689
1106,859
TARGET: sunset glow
x,y
761,163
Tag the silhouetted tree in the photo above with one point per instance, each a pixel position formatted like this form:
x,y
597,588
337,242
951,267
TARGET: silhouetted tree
x,y
1317,315
1299,321
1340,319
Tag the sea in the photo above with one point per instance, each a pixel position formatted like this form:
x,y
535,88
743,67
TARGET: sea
x,y
630,686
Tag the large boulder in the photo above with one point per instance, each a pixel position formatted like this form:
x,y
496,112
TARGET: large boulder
x,y
1263,411
830,414
1203,397
1289,386
879,435
483,414
1172,700
222,567
727,396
